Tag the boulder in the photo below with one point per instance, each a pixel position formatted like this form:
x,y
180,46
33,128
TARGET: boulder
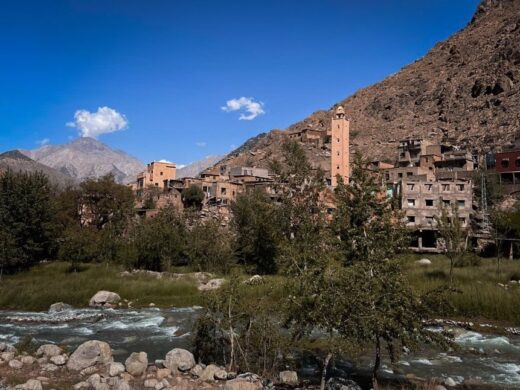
x,y
450,382
341,384
15,364
104,299
242,384
58,307
197,371
59,360
213,284
150,383
213,372
163,373
89,354
179,359
49,367
48,350
81,386
27,360
122,385
32,384
7,356
114,369
289,378
136,363
424,262
255,280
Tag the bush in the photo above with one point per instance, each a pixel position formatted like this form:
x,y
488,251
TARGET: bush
x,y
193,196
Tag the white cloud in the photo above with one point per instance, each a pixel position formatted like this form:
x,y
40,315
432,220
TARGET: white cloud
x,y
201,144
247,104
93,124
43,142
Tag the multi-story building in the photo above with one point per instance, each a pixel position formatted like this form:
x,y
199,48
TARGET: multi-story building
x,y
422,201
156,174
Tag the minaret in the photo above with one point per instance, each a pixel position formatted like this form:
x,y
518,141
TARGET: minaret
x,y
340,158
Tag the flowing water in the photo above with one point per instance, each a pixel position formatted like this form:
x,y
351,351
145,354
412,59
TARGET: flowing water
x,y
485,357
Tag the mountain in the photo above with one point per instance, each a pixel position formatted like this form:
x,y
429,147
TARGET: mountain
x,y
194,168
18,162
464,91
87,157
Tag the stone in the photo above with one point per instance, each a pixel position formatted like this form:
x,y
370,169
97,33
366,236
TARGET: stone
x,y
255,280
122,385
104,299
15,364
27,360
32,384
197,370
88,371
213,372
136,363
289,378
439,387
179,359
424,262
48,350
242,384
150,383
59,360
94,380
59,307
3,347
114,369
7,356
341,384
49,367
212,284
81,385
165,373
450,382
89,354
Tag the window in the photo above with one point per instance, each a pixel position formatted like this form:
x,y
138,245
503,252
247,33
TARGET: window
x,y
429,202
409,173
223,191
505,163
161,173
517,162
338,139
429,220
399,175
428,187
338,153
410,186
460,187
462,221
337,167
461,203
411,219
445,187
157,184
446,202
204,188
411,202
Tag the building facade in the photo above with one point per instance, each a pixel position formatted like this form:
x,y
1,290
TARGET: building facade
x,y
156,174
340,154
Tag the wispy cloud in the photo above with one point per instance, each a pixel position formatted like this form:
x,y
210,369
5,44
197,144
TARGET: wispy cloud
x,y
43,142
93,124
201,144
248,104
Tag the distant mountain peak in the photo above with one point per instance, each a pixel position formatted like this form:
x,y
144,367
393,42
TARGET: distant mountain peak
x,y
15,155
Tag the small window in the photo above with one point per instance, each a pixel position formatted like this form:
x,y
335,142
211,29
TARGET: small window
x,y
517,162
462,221
399,175
460,187
410,186
157,184
445,187
429,202
338,139
429,220
411,202
409,173
505,163
205,189
161,173
411,219
223,190
446,202
461,203
428,187
337,167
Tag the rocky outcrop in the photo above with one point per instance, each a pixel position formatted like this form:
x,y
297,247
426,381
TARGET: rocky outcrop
x,y
104,299
179,360
137,363
89,354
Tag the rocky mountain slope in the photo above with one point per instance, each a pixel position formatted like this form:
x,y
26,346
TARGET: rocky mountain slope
x,y
18,162
86,157
193,169
466,91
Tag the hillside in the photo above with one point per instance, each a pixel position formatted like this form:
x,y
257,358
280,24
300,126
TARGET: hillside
x,y
18,162
86,157
466,91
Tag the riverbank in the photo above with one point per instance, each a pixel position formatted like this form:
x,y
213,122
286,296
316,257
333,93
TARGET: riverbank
x,y
483,295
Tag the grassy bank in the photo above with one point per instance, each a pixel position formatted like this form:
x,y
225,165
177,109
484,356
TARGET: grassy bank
x,y
481,297
45,284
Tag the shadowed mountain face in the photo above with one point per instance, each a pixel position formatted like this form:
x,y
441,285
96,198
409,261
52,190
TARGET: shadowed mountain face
x,y
466,91
86,158
18,162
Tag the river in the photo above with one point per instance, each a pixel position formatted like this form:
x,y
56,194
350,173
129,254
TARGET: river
x,y
488,358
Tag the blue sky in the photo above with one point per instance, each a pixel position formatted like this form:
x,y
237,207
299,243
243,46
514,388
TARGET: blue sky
x,y
164,69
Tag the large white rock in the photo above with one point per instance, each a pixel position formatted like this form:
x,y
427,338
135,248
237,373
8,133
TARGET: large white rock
x,y
179,359
15,364
89,354
104,299
114,369
48,350
59,307
289,378
424,262
213,372
137,363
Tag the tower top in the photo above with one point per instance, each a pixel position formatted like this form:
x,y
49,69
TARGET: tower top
x,y
339,113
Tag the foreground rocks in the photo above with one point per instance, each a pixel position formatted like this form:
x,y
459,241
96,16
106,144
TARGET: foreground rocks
x,y
103,298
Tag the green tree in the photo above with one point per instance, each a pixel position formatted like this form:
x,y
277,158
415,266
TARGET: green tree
x,y
26,218
210,246
160,242
257,226
193,197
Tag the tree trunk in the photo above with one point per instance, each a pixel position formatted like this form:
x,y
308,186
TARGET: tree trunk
x,y
231,338
377,364
511,251
324,372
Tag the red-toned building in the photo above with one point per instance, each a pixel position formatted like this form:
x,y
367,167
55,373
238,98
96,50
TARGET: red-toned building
x,y
507,165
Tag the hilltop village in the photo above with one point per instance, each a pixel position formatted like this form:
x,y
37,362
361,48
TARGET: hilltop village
x,y
424,177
